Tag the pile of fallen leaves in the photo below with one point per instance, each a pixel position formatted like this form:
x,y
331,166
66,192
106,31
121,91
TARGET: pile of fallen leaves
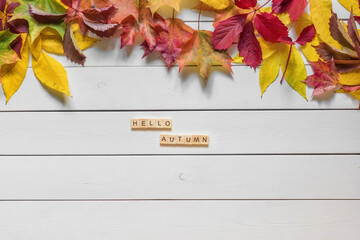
x,y
269,35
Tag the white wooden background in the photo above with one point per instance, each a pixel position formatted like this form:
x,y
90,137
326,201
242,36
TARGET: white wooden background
x,y
277,168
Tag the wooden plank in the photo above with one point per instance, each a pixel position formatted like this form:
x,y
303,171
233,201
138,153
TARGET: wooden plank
x,y
249,132
124,88
203,220
180,177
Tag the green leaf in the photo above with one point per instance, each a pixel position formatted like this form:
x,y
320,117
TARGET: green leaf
x,y
7,55
51,6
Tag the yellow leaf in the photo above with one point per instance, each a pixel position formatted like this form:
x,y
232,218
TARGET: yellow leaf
x,y
308,50
51,73
217,4
351,4
269,71
296,72
154,5
35,47
320,11
13,75
350,78
268,48
238,59
52,42
356,95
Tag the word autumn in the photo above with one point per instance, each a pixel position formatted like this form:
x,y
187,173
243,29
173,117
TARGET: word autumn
x,y
184,140
147,124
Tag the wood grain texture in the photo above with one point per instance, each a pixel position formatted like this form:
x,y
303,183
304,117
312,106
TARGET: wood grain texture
x,y
231,132
153,88
204,220
180,177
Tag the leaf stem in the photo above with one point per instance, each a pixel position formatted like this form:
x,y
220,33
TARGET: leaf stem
x,y
199,15
173,14
286,66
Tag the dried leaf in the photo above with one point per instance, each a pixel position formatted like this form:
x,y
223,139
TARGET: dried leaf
x,y
249,47
154,5
198,50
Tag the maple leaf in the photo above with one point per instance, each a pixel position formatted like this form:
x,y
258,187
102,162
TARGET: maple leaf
x,y
198,50
125,8
154,5
295,7
325,77
148,26
168,43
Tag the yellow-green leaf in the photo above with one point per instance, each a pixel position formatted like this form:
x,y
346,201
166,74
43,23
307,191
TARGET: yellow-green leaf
x,y
269,71
238,59
308,50
296,72
350,78
217,4
51,73
351,4
320,11
13,75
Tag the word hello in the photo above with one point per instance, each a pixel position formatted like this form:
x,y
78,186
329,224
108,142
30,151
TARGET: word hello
x,y
148,124
184,140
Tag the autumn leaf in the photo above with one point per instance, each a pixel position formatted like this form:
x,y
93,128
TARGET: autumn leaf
x,y
35,28
154,5
246,4
228,31
49,71
168,43
7,21
351,5
198,50
12,75
8,55
125,8
249,47
217,4
271,28
295,7
148,26
325,77
321,11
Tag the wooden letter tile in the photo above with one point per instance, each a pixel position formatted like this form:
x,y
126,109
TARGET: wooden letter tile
x,y
164,140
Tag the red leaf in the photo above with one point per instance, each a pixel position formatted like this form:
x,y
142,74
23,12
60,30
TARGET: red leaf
x,y
10,8
101,29
249,46
100,15
281,6
297,8
227,31
67,3
325,77
307,35
18,26
354,34
246,4
16,45
2,5
270,27
45,17
71,48
130,30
